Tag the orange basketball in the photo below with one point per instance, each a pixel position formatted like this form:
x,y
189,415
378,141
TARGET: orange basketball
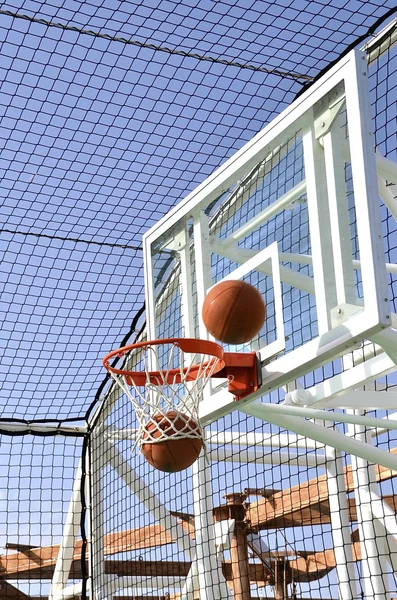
x,y
234,312
171,455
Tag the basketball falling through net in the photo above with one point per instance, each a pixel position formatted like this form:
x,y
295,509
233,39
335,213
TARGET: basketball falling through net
x,y
164,380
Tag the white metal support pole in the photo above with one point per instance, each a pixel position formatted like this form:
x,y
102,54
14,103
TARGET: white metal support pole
x,y
212,583
274,413
186,280
387,519
320,230
366,194
203,264
149,292
69,538
98,577
340,523
338,212
372,537
191,583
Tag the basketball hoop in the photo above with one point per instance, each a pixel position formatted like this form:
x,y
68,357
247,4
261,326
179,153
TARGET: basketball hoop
x,y
167,378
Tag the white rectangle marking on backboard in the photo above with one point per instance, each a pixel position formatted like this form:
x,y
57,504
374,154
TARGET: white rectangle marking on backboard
x,y
270,253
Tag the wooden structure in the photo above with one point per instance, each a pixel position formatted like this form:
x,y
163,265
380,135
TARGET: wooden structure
x,y
276,509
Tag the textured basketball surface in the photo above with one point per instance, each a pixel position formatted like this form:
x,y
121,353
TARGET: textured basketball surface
x,y
234,312
171,455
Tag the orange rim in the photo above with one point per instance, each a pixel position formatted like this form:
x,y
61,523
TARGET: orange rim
x,y
191,373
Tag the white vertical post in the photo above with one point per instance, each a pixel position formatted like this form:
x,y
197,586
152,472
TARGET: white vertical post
x,y
203,265
372,537
212,584
366,195
98,577
191,583
333,141
149,291
69,538
211,581
340,523
186,282
320,231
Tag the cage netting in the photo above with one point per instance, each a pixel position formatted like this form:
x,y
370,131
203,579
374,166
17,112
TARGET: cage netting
x,y
111,112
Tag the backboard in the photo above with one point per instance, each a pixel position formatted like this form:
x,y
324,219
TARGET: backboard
x,y
294,212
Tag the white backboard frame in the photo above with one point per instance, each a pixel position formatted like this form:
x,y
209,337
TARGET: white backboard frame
x,y
270,254
364,321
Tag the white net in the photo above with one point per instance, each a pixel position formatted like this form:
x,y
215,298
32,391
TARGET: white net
x,y
166,401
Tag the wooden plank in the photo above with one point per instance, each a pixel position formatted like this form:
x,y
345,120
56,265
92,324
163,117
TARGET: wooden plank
x,y
40,561
290,503
139,568
37,559
302,569
10,592
318,514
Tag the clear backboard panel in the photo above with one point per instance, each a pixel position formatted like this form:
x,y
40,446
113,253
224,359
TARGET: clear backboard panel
x,y
295,213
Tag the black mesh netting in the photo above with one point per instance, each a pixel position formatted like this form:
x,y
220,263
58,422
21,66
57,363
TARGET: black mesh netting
x,y
111,112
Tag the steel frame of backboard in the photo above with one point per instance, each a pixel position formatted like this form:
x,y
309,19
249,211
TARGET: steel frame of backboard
x,y
332,287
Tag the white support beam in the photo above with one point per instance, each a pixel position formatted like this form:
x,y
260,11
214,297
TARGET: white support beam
x,y
272,440
388,194
202,253
223,534
273,458
320,229
97,551
340,523
338,214
360,374
306,259
71,591
212,584
186,286
242,255
236,438
337,417
382,512
267,213
387,339
70,534
223,403
364,175
386,168
377,431
365,399
371,540
273,414
191,583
